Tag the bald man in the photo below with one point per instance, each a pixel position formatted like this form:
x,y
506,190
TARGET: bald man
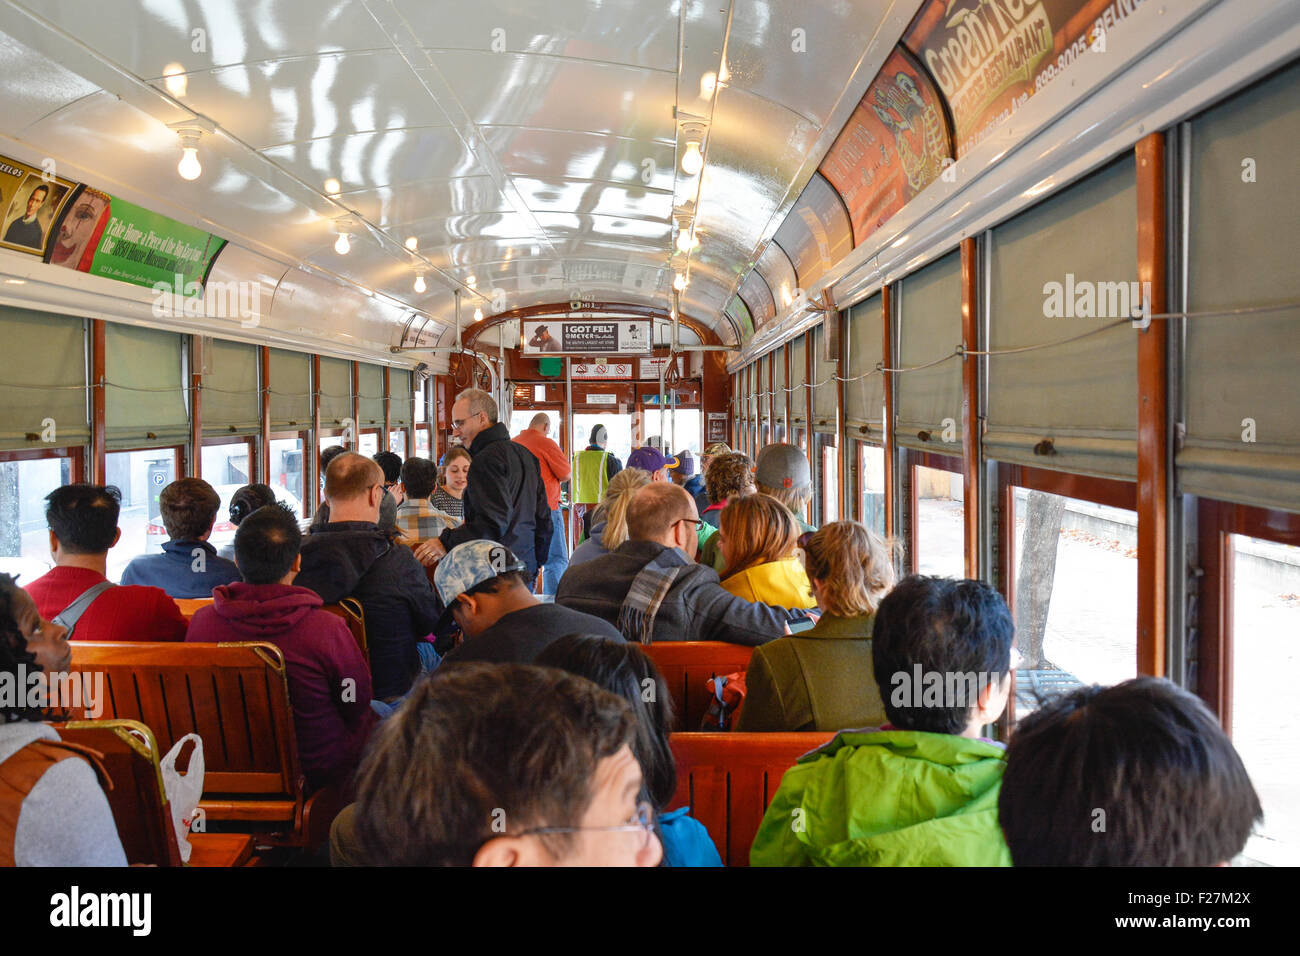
x,y
651,589
555,469
352,556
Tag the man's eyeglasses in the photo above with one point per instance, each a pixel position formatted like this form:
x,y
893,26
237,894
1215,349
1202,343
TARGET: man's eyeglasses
x,y
456,423
695,521
644,821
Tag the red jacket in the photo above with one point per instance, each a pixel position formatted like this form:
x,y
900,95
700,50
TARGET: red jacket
x,y
555,466
127,612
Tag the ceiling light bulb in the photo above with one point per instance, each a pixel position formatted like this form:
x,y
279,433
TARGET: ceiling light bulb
x,y
692,159
684,241
420,284
679,283
412,243
332,187
478,315
175,80
471,281
343,245
708,83
189,166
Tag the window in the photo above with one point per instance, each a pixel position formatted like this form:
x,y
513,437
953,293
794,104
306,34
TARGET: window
x,y
369,444
397,442
1265,620
939,522
423,443
227,463
329,440
285,468
24,543
1075,594
830,479
680,429
618,428
141,477
871,487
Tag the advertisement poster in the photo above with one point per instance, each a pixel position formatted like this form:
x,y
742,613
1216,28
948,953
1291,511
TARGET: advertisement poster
x,y
990,56
31,201
568,336
893,146
650,367
106,236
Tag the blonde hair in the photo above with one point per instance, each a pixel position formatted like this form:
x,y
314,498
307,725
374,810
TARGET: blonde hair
x,y
760,530
852,565
618,495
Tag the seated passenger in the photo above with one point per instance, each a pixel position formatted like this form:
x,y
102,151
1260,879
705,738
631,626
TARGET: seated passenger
x,y
501,765
626,670
652,461
923,789
715,450
730,476
1139,774
684,474
759,542
53,811
329,682
609,520
449,495
352,556
482,585
189,567
387,504
822,679
417,518
243,503
83,526
651,589
782,471
391,463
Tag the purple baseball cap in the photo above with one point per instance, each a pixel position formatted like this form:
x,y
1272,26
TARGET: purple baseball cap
x,y
650,459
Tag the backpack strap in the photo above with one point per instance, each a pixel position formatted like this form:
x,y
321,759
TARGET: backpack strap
x,y
22,770
71,614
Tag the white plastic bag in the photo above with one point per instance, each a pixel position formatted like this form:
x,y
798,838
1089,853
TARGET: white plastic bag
x,y
183,792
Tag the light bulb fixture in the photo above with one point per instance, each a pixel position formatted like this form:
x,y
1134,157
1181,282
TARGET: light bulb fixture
x,y
412,243
478,315
175,80
680,281
420,284
472,281
692,158
332,187
189,132
343,244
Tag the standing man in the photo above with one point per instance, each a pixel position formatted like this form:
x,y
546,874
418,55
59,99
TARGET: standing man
x,y
555,469
593,470
505,500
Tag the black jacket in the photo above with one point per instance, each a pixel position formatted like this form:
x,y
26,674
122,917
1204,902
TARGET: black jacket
x,y
505,500
521,635
357,559
696,608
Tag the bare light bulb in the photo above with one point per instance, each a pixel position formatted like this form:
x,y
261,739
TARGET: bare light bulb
x,y
692,159
343,245
420,284
332,187
684,240
189,166
175,80
412,243
679,283
478,315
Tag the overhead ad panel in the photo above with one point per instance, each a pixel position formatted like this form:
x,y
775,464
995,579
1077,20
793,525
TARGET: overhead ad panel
x,y
566,336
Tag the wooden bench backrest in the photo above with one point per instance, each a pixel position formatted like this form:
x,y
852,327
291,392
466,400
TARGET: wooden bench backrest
x,y
188,606
687,667
728,780
234,696
354,616
129,752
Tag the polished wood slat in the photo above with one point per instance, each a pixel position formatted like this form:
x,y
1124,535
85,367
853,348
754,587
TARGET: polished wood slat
x,y
687,667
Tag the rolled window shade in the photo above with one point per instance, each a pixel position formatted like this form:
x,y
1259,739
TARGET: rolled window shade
x,y
763,369
779,395
751,392
290,390
144,402
335,387
45,393
230,399
929,400
825,388
1072,407
399,397
370,396
798,378
1242,404
864,399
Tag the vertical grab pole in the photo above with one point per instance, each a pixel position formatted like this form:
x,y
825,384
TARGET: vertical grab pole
x,y
569,525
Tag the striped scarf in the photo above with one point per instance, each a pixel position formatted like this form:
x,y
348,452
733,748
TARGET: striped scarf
x,y
636,618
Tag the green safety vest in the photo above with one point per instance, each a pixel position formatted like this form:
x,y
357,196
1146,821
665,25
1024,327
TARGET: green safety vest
x,y
589,476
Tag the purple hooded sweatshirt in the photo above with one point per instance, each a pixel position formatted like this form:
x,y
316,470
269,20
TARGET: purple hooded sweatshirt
x,y
332,718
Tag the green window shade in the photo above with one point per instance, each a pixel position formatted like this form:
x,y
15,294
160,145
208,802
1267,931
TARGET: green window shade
x,y
145,404
825,387
1242,402
778,386
399,392
798,378
929,400
335,389
370,393
49,382
751,392
864,399
290,390
230,404
1082,395
763,369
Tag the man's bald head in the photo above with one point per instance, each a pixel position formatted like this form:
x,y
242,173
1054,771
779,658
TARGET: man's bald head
x,y
350,477
541,423
655,509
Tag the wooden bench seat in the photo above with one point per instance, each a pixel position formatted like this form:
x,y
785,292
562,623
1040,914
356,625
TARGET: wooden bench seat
x,y
728,780
189,606
687,667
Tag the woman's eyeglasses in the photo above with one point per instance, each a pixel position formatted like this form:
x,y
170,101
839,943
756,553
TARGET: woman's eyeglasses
x,y
644,820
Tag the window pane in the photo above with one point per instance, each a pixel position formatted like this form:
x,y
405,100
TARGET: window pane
x,y
286,465
1076,595
1265,621
617,427
328,441
830,496
422,400
226,464
141,477
24,544
397,442
422,445
940,522
680,429
369,444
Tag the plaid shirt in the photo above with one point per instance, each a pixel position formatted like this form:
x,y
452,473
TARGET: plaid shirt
x,y
419,520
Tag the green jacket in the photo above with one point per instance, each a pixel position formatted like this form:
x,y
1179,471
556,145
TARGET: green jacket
x,y
888,798
821,679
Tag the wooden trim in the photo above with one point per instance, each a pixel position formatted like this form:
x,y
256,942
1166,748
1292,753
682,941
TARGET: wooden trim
x,y
264,443
788,395
195,448
1153,479
1102,491
311,449
356,407
98,402
841,439
891,450
970,426
388,411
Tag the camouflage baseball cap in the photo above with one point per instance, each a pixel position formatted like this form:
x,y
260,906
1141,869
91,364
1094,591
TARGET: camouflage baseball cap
x,y
468,565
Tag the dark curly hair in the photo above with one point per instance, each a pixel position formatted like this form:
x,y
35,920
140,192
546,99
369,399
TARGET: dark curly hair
x,y
13,652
